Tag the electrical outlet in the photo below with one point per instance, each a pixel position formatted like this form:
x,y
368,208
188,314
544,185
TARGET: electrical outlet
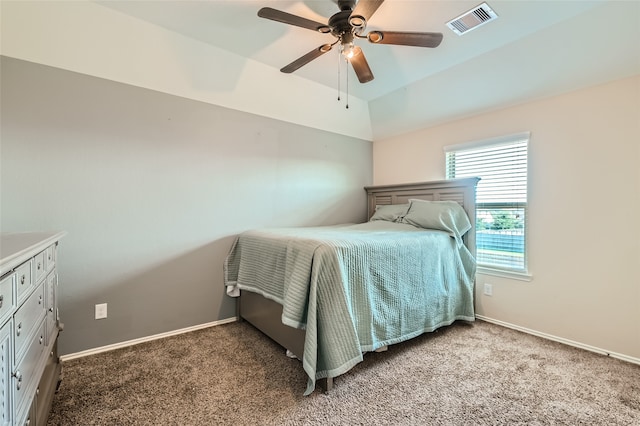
x,y
488,289
101,311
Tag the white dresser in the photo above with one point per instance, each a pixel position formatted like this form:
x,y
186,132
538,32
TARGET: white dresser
x,y
29,326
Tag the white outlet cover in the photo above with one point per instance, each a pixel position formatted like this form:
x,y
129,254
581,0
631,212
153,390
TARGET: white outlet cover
x,y
101,311
488,289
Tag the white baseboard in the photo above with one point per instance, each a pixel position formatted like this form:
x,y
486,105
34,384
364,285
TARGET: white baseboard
x,y
107,348
590,348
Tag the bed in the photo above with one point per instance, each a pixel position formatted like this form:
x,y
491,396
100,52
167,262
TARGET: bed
x,y
329,294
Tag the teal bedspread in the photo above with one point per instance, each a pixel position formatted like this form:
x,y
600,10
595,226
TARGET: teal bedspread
x,y
355,288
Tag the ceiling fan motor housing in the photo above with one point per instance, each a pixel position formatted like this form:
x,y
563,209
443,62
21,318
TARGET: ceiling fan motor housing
x,y
346,4
339,23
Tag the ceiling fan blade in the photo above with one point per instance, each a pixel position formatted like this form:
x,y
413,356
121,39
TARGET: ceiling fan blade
x,y
365,9
361,66
305,59
288,18
405,38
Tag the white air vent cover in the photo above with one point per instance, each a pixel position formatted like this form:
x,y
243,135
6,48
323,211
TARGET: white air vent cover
x,y
472,19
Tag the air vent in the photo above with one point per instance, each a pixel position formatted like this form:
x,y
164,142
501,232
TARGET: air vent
x,y
472,19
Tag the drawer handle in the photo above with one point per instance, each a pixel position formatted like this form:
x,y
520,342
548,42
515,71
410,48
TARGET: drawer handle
x,y
1,299
39,266
22,279
18,376
19,330
40,300
50,309
41,339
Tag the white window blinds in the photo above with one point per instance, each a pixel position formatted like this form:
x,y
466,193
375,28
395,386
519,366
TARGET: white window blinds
x,y
501,197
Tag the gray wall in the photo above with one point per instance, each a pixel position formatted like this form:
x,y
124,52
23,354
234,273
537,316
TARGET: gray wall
x,y
152,190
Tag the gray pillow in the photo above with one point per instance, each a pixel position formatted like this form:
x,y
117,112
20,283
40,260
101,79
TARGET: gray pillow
x,y
390,212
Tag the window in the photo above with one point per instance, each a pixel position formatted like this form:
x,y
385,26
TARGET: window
x,y
501,197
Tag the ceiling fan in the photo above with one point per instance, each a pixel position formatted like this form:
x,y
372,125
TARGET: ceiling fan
x,y
346,25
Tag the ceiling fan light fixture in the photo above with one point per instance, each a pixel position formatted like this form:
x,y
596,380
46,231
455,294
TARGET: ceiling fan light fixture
x,y
356,51
324,29
348,50
375,37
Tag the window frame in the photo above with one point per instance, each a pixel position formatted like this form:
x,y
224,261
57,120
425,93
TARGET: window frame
x,y
490,268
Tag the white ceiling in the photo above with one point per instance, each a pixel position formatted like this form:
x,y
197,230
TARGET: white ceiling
x,y
560,46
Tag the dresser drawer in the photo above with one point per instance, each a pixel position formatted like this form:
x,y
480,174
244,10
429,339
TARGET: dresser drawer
x,y
5,375
50,295
50,258
27,372
26,319
7,299
39,266
24,280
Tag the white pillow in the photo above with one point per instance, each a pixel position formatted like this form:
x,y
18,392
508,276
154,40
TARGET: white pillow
x,y
446,216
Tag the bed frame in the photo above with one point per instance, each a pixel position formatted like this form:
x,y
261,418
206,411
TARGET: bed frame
x,y
265,314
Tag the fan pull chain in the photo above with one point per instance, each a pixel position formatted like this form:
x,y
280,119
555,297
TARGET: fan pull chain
x,y
347,95
339,76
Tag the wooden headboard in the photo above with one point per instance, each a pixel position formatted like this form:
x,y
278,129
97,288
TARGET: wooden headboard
x,y
461,190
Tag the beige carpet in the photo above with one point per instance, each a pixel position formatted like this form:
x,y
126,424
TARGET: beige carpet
x,y
466,374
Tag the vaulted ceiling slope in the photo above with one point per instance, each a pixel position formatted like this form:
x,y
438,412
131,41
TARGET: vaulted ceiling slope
x,y
221,52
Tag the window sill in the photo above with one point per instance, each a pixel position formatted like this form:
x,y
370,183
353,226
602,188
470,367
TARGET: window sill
x,y
521,276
